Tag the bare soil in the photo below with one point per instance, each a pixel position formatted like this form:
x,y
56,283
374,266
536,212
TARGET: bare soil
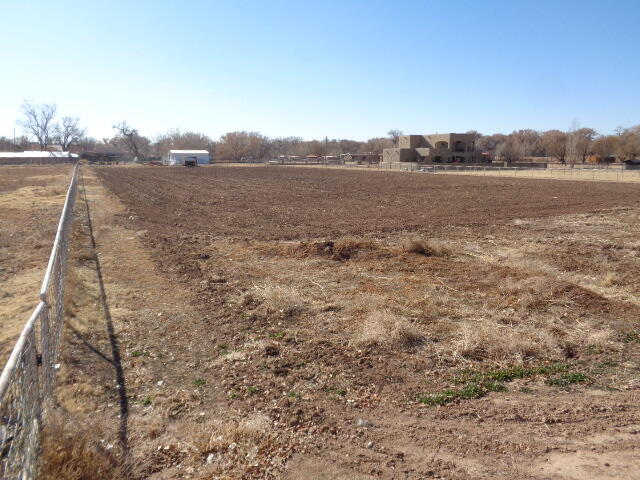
x,y
31,200
300,323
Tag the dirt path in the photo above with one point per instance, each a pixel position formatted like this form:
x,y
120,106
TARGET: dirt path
x,y
224,373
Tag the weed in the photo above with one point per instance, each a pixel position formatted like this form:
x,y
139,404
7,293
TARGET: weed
x,y
139,353
223,346
146,401
251,389
566,379
199,382
340,391
594,349
608,364
470,390
525,390
278,335
476,385
293,395
632,336
509,374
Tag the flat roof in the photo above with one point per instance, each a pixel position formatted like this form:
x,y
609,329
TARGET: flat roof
x,y
37,154
188,151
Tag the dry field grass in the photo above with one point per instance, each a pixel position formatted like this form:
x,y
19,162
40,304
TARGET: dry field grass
x,y
568,174
31,200
295,323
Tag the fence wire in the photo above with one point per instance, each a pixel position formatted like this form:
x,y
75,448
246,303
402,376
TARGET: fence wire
x,y
28,378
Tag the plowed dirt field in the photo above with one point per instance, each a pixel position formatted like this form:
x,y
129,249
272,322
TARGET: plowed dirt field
x,y
310,324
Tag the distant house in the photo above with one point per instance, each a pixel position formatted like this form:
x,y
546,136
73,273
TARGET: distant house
x,y
438,148
362,157
36,157
179,157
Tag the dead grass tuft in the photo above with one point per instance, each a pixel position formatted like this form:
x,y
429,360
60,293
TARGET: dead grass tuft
x,y
421,247
70,452
277,300
610,279
486,339
537,339
346,247
386,329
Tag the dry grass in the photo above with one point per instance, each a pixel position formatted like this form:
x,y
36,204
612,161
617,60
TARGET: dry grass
x,y
386,329
610,279
346,247
71,451
277,300
540,338
236,446
426,248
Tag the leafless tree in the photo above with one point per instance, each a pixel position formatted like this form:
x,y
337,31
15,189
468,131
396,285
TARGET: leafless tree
x,y
177,140
132,140
628,143
68,132
38,121
555,144
585,141
605,147
394,135
573,144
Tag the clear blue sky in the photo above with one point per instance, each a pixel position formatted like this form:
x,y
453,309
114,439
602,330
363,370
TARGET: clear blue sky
x,y
346,69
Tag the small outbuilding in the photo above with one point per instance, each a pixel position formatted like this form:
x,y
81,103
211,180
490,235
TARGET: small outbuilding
x,y
182,157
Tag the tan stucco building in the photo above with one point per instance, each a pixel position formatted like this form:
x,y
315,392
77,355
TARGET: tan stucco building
x,y
438,148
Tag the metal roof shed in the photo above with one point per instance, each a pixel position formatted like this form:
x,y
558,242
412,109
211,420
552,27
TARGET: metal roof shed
x,y
178,157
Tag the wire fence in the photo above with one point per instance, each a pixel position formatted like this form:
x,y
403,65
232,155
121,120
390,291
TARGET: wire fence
x,y
595,172
28,378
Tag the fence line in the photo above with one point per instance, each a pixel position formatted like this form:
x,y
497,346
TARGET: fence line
x,y
28,378
602,174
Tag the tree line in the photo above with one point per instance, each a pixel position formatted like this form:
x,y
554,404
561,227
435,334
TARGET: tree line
x,y
42,128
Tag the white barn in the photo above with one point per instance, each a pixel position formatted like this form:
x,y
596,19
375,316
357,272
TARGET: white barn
x,y
179,157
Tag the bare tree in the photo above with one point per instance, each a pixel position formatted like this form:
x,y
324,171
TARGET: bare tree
x,y
555,144
131,139
628,144
573,144
177,140
394,135
585,141
38,121
68,132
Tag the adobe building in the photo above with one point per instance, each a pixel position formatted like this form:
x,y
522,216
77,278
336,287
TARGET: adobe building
x,y
438,148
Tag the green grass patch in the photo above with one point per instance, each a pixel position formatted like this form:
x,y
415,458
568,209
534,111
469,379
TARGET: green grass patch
x,y
566,379
512,373
146,401
468,391
199,382
278,335
139,353
478,384
251,389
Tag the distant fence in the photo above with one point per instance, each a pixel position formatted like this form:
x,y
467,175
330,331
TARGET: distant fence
x,y
605,173
28,378
37,160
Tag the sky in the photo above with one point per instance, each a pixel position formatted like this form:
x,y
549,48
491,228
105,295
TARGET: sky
x,y
343,69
